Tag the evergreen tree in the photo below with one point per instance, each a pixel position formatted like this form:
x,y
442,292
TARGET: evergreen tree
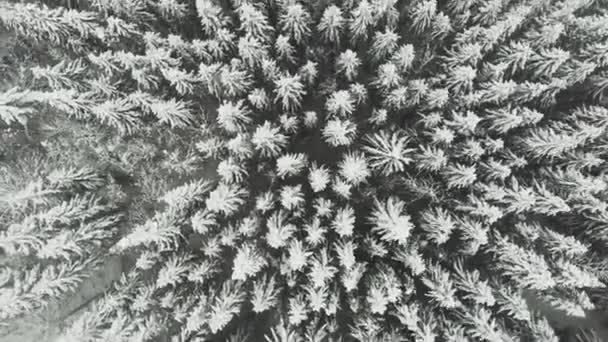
x,y
322,171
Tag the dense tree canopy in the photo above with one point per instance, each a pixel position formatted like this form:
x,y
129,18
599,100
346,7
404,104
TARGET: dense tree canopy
x,y
282,170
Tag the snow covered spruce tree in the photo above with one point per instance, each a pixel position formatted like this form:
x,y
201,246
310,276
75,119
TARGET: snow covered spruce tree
x,y
361,170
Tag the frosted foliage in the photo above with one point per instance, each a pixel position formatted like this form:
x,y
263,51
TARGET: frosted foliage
x,y
370,170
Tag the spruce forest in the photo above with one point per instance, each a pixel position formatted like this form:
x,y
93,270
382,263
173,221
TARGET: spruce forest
x,y
304,170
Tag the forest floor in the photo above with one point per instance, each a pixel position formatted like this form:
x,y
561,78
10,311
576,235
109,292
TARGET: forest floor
x,y
45,325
